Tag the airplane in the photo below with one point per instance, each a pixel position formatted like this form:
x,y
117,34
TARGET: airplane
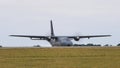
x,y
59,40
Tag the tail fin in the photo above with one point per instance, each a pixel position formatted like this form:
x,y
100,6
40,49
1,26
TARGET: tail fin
x,y
52,31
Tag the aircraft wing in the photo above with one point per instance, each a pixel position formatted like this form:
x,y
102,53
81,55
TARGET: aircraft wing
x,y
55,37
29,36
90,36
33,37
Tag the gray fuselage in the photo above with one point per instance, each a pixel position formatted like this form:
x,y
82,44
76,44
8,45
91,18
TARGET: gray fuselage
x,y
61,41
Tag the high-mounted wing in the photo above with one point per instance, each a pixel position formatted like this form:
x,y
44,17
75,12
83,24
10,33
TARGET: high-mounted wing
x,y
55,37
90,36
33,37
30,36
48,38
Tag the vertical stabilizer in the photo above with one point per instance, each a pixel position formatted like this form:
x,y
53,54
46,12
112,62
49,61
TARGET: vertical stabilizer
x,y
52,31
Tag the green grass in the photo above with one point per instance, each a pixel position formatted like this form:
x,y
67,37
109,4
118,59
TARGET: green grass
x,y
98,57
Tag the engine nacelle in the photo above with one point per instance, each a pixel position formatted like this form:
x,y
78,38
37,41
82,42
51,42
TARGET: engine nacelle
x,y
76,38
49,38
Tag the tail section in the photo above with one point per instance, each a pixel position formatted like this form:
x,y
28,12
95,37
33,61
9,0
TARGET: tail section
x,y
52,31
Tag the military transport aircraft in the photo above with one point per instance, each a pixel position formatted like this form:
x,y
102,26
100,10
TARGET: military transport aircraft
x,y
58,40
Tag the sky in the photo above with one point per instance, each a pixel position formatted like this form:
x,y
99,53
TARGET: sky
x,y
70,17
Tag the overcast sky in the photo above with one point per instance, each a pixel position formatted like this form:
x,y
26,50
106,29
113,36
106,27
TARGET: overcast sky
x,y
70,17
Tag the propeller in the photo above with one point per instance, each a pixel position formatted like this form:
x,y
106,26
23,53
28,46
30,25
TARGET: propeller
x,y
77,38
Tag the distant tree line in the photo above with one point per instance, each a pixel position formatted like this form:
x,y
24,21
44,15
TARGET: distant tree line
x,y
36,46
89,44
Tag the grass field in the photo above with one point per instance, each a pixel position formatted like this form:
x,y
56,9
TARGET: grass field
x,y
84,57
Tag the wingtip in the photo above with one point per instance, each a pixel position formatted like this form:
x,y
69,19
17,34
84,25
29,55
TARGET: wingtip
x,y
14,35
11,35
109,35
